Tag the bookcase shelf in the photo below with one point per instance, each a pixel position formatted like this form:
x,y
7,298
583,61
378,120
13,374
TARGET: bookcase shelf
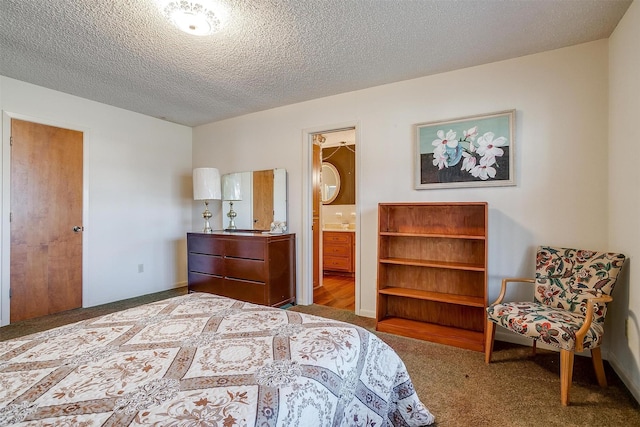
x,y
433,263
470,340
449,236
432,271
434,296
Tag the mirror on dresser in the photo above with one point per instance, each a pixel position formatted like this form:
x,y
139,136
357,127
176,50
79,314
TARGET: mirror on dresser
x,y
259,198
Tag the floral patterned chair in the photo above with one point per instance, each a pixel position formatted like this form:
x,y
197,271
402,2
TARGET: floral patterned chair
x,y
572,289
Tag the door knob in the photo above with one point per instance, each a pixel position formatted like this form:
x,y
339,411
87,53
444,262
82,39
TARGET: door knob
x,y
77,229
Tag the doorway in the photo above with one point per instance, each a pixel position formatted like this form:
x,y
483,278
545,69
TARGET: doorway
x,y
46,186
334,222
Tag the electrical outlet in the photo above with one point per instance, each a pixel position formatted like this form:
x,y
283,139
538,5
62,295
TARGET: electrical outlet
x,y
140,268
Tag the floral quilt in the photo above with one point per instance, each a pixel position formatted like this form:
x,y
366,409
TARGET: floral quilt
x,y
206,360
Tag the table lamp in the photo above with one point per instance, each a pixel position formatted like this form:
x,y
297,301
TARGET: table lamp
x,y
206,186
231,193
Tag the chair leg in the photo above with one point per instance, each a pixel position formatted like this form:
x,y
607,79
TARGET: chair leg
x,y
533,348
596,359
488,345
566,374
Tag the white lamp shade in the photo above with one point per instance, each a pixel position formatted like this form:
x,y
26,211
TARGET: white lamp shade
x,y
231,187
206,184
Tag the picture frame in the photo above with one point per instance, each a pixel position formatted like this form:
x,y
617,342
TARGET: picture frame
x,y
472,151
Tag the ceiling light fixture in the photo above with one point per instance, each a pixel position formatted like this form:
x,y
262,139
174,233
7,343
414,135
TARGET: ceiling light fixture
x,y
193,17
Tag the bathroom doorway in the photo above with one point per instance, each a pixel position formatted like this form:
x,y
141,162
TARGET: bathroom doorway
x,y
335,215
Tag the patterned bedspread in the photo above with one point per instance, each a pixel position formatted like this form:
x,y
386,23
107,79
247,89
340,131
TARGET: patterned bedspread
x,y
205,360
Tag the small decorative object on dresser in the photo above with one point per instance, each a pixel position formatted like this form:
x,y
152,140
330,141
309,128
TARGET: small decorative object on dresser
x,y
278,227
253,267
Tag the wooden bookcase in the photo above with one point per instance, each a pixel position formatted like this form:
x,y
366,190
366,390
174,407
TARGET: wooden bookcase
x,y
432,272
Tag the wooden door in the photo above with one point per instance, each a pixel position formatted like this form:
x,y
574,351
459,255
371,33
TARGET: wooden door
x,y
262,199
46,205
316,214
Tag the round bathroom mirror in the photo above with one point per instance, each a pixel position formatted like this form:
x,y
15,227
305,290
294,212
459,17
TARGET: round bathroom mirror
x,y
330,180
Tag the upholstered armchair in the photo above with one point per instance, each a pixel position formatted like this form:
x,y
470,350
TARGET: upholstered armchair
x,y
571,290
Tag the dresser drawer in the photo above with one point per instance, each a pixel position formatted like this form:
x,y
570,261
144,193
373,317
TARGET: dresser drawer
x,y
205,245
246,269
250,249
336,237
245,291
208,264
199,282
237,289
337,250
336,263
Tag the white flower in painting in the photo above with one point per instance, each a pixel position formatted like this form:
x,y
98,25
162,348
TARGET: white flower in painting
x,y
471,133
487,160
440,159
449,139
469,161
479,158
485,169
483,172
489,147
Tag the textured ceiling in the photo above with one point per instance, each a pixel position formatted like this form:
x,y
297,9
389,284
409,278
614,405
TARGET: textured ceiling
x,y
274,52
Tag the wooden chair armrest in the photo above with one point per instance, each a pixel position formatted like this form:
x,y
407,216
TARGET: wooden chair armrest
x,y
588,318
503,289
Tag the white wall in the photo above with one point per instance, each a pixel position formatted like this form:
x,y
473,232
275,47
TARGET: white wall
x,y
562,157
560,161
624,193
137,188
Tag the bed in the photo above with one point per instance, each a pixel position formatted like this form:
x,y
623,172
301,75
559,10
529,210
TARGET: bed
x,y
201,359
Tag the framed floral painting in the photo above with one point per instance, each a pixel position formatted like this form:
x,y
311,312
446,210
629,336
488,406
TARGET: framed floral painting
x,y
474,151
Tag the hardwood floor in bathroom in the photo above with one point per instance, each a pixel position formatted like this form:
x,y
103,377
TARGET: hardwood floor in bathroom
x,y
337,292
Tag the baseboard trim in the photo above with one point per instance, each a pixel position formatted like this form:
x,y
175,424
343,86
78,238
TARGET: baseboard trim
x,y
366,313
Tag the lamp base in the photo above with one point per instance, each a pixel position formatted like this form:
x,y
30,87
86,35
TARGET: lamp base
x,y
207,215
232,216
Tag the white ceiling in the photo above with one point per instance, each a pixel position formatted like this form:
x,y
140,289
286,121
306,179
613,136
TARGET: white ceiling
x,y
274,52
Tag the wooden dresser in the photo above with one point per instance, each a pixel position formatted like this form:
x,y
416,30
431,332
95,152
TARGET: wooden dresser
x,y
253,267
338,250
